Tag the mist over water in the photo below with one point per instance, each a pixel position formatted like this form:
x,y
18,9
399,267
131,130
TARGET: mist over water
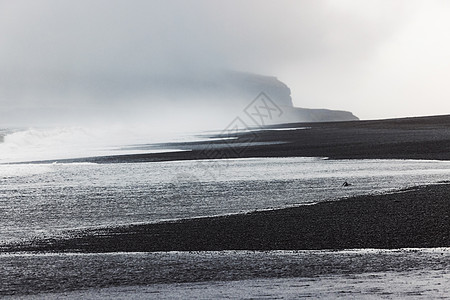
x,y
53,143
113,136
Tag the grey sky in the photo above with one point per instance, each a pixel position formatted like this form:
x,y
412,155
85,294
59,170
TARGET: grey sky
x,y
377,59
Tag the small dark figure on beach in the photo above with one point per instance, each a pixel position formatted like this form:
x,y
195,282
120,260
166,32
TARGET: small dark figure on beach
x,y
345,184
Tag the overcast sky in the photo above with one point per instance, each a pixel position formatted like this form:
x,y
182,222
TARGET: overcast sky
x,y
378,59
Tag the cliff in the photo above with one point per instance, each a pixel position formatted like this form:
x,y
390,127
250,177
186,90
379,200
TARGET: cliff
x,y
246,87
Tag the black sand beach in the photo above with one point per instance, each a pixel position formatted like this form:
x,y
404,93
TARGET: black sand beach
x,y
417,217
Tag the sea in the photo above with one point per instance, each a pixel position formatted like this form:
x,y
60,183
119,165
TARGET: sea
x,y
48,199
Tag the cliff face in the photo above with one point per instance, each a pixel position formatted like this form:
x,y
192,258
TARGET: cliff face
x,y
246,87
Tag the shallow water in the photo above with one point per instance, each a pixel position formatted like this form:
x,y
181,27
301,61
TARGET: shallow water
x,y
45,199
418,273
423,284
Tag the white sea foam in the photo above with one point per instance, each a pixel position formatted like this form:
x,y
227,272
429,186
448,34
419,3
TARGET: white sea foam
x,y
35,144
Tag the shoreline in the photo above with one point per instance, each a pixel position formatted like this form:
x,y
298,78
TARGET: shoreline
x,y
412,218
423,138
417,217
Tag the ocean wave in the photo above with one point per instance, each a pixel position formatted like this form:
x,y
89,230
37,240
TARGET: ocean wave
x,y
39,144
4,132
